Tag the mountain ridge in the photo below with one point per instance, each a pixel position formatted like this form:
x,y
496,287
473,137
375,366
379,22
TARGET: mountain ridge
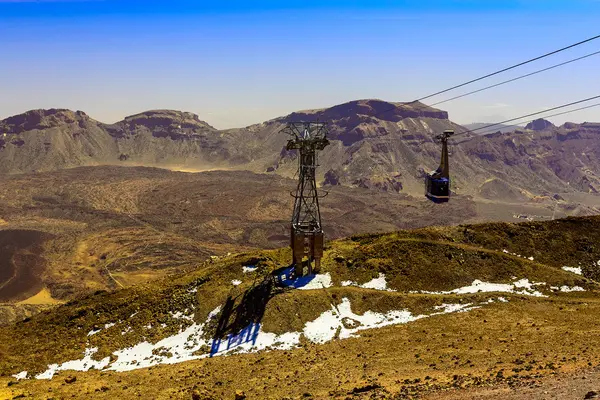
x,y
374,144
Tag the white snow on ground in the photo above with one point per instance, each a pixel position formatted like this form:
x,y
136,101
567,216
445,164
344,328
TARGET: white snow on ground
x,y
451,308
249,268
522,286
21,375
170,350
186,345
343,322
378,283
236,282
568,289
575,270
93,332
106,326
180,315
252,339
85,364
319,281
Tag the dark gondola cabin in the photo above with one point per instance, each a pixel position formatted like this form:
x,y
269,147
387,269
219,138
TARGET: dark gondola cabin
x,y
437,183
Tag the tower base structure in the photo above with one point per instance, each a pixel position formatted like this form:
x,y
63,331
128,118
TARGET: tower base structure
x,y
309,245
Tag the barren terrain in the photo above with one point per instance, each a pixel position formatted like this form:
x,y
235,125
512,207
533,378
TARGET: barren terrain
x,y
419,324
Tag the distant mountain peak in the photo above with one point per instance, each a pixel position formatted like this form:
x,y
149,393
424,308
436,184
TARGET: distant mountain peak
x,y
41,119
167,118
539,125
370,108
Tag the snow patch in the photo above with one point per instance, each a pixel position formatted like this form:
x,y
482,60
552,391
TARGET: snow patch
x,y
341,321
249,268
180,315
236,282
252,339
21,375
568,289
311,282
452,308
522,286
378,283
93,332
187,345
85,364
575,270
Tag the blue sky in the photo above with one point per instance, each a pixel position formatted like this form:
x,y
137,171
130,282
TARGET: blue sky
x,y
238,63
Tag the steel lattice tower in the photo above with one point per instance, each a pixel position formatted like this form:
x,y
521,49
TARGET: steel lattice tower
x,y
306,230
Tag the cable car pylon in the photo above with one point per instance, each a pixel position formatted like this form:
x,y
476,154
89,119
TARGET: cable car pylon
x,y
306,235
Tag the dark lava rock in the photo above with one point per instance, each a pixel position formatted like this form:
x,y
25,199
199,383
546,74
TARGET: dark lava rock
x,y
332,178
239,395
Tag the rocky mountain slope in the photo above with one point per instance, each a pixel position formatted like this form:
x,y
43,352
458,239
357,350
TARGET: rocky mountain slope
x,y
374,144
389,316
47,140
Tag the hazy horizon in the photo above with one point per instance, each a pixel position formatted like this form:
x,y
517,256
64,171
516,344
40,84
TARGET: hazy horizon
x,y
241,64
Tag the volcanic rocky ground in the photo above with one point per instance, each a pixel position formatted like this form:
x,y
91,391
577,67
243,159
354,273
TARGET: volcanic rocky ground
x,y
401,315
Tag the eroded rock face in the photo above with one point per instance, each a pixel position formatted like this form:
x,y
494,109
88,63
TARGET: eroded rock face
x,y
385,184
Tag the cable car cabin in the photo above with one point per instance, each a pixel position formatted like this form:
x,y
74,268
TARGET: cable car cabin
x,y
437,183
438,190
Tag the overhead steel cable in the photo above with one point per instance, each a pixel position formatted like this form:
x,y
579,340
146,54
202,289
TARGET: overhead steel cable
x,y
511,67
528,115
494,73
552,115
517,78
